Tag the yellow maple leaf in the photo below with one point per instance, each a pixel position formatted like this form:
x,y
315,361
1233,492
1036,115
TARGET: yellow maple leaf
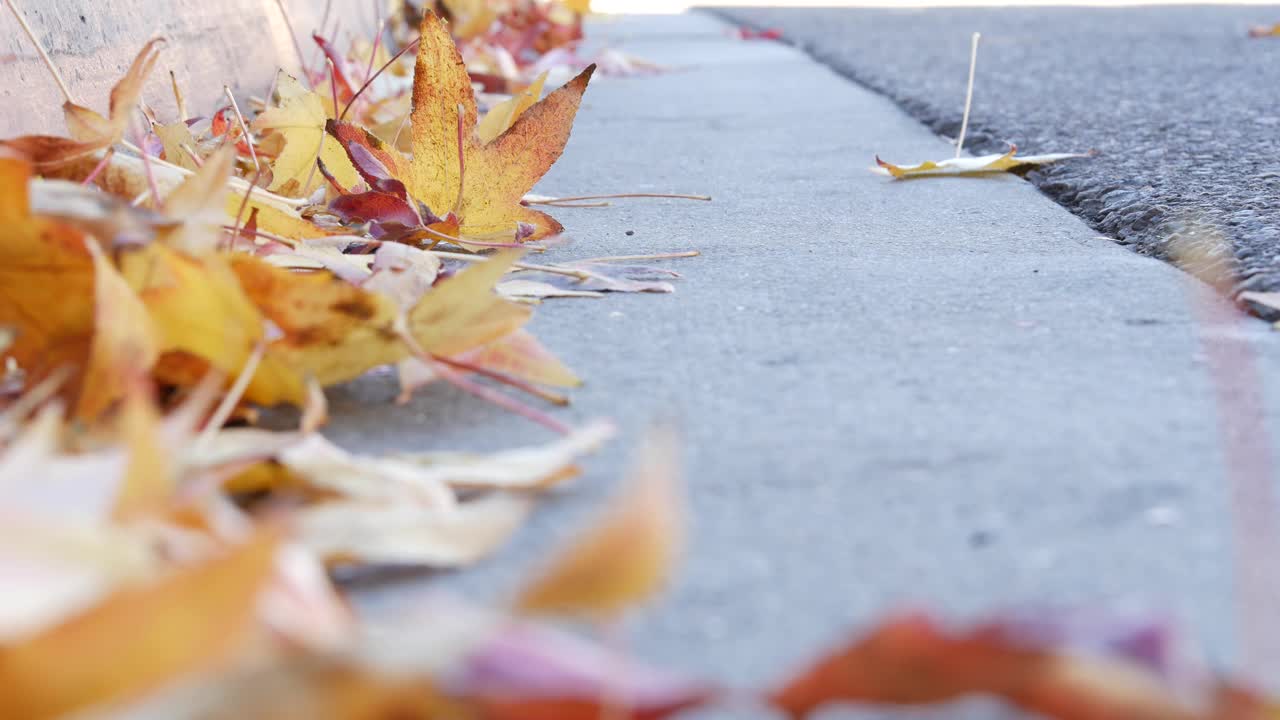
x,y
124,342
206,321
336,331
298,117
46,282
486,192
177,140
502,116
149,478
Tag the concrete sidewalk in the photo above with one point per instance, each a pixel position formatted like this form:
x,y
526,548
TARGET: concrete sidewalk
x,y
944,392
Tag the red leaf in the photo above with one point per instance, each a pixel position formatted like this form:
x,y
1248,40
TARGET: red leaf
x,y
222,122
375,207
391,162
345,93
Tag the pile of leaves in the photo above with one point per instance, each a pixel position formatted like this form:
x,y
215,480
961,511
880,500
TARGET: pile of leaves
x,y
164,279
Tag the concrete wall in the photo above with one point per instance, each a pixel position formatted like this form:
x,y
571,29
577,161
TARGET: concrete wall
x,y
211,43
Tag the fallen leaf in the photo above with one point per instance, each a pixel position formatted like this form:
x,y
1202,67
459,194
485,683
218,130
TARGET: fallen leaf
x,y
46,283
485,196
178,143
527,672
124,345
913,660
310,687
400,534
298,117
627,556
502,116
983,164
139,638
206,321
517,469
470,18
91,132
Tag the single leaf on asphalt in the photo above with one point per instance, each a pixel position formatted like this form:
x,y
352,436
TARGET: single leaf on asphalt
x,y
628,555
139,638
981,165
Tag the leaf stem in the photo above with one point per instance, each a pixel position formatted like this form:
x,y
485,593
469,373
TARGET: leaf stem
x,y
368,82
462,163
968,95
293,35
102,165
232,398
505,379
44,54
178,99
244,128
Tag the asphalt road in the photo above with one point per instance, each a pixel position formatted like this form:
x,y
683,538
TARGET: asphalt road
x,y
947,393
1181,105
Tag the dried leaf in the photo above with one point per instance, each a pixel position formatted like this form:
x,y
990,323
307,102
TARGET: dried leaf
x,y
980,165
400,534
124,346
912,660
627,556
138,638
497,173
518,469
91,132
526,672
299,118
178,143
46,283
502,116
206,321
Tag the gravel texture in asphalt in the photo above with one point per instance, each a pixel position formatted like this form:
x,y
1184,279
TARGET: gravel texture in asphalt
x,y
1182,107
